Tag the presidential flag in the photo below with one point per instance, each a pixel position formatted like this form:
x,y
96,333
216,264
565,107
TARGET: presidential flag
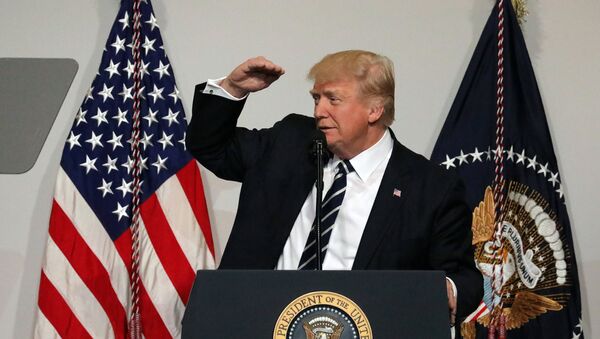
x,y
85,289
497,138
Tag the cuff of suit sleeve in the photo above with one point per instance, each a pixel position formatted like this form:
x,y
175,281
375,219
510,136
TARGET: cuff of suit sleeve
x,y
213,88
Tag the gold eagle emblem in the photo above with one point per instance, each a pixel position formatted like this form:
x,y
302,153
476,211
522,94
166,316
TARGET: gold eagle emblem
x,y
531,260
323,328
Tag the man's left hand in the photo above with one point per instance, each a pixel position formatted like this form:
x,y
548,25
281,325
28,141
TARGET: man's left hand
x,y
451,302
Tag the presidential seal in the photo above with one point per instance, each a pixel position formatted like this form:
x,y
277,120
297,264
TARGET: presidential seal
x,y
530,269
322,315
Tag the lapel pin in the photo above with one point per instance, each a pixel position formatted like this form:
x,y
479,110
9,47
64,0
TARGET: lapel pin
x,y
397,193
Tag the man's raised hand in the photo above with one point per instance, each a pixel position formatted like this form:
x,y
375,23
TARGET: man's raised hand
x,y
251,76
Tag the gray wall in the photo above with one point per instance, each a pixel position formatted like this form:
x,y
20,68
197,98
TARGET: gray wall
x,y
430,42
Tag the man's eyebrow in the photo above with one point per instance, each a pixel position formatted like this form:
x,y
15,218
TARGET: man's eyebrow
x,y
330,92
327,93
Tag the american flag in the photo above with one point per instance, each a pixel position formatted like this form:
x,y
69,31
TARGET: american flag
x,y
85,285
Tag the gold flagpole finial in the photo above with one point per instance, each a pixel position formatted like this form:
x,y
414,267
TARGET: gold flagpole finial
x,y
521,11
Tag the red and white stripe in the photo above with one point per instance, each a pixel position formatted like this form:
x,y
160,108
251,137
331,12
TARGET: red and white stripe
x,y
478,313
84,288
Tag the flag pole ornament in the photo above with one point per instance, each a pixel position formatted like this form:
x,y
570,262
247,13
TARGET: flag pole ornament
x,y
129,225
497,139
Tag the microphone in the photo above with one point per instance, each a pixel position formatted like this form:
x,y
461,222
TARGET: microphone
x,y
319,146
319,151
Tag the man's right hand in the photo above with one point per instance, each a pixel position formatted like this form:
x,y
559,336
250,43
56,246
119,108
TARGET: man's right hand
x,y
251,76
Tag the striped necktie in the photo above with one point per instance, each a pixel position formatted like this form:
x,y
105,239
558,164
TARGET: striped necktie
x,y
329,211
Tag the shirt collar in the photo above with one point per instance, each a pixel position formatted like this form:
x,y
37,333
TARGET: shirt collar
x,y
368,160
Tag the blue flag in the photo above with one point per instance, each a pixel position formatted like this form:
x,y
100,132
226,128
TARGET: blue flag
x,y
538,281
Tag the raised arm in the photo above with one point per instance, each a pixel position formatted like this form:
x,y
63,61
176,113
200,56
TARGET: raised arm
x,y
213,136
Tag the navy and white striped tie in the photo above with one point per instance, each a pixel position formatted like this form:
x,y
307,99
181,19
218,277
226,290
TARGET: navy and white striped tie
x,y
329,211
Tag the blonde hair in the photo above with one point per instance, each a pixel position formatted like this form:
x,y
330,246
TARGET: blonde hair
x,y
374,73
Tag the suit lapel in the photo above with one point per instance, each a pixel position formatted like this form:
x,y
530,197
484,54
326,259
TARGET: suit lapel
x,y
388,203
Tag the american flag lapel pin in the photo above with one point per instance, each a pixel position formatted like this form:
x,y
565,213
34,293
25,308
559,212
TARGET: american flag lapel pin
x,y
397,193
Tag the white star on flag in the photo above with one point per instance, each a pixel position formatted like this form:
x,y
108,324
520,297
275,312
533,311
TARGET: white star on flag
x,y
121,117
165,140
160,164
126,93
112,69
100,117
162,70
105,188
151,117
110,164
73,140
152,22
94,140
171,117
156,93
115,141
106,93
119,44
89,164
121,211
148,45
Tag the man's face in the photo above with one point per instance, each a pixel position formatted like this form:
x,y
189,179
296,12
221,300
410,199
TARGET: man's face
x,y
343,116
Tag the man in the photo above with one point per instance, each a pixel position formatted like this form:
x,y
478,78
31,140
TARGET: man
x,y
398,211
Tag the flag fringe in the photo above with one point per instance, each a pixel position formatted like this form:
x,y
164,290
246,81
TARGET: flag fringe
x,y
521,10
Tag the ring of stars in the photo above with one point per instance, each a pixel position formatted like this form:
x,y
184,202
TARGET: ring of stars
x,y
518,158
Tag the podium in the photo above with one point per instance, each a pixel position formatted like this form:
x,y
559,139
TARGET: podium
x,y
317,304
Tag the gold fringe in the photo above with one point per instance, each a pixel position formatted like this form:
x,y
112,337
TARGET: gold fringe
x,y
468,330
521,10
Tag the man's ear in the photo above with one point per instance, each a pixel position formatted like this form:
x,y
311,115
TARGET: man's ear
x,y
375,112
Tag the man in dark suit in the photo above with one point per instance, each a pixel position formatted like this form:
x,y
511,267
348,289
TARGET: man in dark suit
x,y
398,210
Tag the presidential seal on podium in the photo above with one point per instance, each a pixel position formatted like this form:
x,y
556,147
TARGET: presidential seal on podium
x,y
322,315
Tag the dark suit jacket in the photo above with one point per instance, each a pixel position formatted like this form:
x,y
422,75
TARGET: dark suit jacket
x,y
427,227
